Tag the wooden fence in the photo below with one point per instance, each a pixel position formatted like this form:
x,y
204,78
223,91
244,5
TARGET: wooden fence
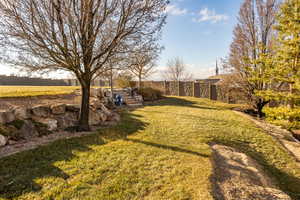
x,y
192,89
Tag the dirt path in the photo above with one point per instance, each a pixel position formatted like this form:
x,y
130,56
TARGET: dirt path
x,y
237,176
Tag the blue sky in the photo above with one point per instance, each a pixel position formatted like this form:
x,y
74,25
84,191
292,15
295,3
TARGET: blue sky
x,y
199,32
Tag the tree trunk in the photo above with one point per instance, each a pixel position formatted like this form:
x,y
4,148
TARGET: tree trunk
x,y
260,105
291,101
85,106
140,82
111,85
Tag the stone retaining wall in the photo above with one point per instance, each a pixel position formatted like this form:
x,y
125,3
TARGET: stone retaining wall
x,y
24,123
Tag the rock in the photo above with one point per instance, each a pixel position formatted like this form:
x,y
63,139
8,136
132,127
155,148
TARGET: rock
x,y
139,98
69,119
105,110
3,140
41,111
12,142
58,109
6,117
94,117
22,113
100,94
95,103
102,116
115,117
296,134
51,123
73,107
28,130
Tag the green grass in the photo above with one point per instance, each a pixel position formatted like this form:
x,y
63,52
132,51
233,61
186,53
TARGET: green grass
x,y
158,152
29,91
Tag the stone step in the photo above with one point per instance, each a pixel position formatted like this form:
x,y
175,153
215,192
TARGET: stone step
x,y
130,99
135,105
132,102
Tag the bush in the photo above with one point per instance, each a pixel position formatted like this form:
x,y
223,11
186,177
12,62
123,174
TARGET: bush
x,y
284,116
125,81
150,94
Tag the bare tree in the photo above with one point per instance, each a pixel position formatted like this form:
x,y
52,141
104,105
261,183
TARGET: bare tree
x,y
252,37
177,71
142,61
76,35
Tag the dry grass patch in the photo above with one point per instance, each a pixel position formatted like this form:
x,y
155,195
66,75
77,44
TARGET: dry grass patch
x,y
29,91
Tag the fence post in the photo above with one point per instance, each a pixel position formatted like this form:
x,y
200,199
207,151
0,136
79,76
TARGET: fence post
x,y
165,88
213,92
178,91
209,91
228,95
193,89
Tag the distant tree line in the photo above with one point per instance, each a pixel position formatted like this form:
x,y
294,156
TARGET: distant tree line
x,y
16,80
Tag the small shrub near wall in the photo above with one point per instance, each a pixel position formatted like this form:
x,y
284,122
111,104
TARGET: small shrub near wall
x,y
150,94
284,116
125,81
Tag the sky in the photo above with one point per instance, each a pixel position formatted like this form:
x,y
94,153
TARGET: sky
x,y
197,31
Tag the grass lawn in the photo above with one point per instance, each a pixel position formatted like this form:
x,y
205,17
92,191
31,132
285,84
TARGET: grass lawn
x,y
28,91
157,152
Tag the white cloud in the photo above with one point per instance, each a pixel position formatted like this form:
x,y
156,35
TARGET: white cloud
x,y
199,71
210,15
175,10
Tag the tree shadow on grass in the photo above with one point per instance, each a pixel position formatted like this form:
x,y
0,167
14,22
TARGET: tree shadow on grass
x,y
183,102
18,173
167,147
287,182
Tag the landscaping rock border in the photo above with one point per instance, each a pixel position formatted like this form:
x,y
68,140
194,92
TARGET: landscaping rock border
x,y
283,136
20,123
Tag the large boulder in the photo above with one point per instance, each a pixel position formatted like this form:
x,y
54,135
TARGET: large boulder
x,y
22,113
58,109
69,119
139,98
41,111
95,103
98,105
28,130
49,122
102,116
105,110
3,140
73,107
114,117
6,117
95,118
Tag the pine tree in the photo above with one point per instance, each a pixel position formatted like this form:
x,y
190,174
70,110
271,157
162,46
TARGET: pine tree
x,y
284,69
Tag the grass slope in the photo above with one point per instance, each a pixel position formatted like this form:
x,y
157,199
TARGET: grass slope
x,y
158,152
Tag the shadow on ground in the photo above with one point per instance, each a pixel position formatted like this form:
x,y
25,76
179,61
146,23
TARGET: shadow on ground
x,y
289,183
177,101
167,147
19,172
